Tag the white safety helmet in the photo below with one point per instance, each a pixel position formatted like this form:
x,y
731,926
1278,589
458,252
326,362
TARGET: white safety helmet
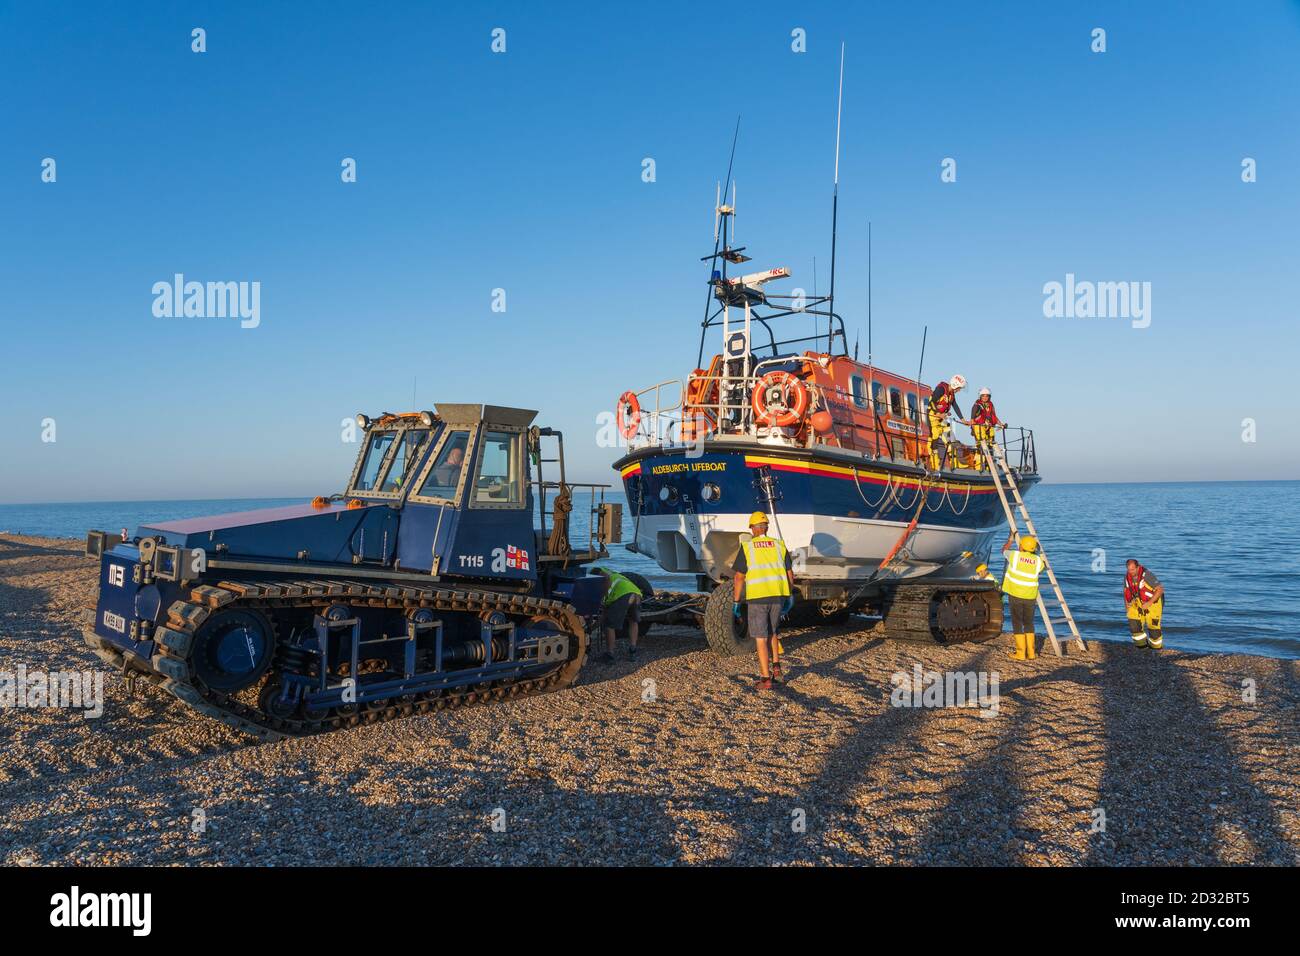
x,y
985,391
957,381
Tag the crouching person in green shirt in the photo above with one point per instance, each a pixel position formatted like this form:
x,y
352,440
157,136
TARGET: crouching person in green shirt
x,y
622,603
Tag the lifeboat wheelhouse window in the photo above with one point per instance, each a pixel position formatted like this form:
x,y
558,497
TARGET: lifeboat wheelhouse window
x,y
896,403
877,395
859,388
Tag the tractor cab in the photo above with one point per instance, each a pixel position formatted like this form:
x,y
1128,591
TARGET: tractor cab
x,y
453,493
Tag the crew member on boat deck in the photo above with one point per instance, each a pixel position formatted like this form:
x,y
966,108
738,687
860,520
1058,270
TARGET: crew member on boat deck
x,y
943,400
983,419
765,581
1020,583
622,603
982,573
1144,596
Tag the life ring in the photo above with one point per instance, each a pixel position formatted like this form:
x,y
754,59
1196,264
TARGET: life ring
x,y
780,400
628,414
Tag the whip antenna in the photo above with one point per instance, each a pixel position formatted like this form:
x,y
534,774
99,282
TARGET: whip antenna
x,y
718,239
835,198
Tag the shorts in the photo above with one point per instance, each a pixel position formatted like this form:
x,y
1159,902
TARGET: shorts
x,y
764,615
1022,614
617,613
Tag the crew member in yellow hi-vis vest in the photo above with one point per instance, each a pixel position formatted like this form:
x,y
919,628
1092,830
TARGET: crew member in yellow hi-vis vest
x,y
765,582
622,604
1020,582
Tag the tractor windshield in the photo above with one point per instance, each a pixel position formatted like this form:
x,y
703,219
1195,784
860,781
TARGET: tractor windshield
x,y
407,453
377,445
389,455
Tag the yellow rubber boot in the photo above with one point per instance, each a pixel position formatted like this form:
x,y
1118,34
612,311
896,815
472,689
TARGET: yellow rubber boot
x,y
1019,654
1030,653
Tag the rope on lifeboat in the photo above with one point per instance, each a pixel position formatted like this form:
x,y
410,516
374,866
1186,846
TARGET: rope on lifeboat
x,y
920,489
889,481
964,505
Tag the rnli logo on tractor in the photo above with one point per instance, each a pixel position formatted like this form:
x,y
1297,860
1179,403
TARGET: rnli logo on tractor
x,y
509,558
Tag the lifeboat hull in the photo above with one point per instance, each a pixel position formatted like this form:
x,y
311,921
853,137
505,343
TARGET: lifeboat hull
x,y
840,514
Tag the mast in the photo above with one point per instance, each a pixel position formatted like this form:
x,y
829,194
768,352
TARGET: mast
x,y
871,365
719,242
835,195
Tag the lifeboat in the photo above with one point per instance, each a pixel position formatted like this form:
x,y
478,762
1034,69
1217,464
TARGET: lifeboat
x,y
837,451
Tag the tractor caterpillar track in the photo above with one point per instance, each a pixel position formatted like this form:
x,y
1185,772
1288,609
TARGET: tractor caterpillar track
x,y
945,612
174,643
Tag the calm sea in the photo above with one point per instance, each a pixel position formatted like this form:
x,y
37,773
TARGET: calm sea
x,y
1226,552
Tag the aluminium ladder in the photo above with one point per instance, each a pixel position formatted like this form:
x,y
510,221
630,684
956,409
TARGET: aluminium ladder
x,y
1005,482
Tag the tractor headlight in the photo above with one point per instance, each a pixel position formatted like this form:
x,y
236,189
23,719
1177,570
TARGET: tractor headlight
x,y
426,419
711,492
668,495
363,422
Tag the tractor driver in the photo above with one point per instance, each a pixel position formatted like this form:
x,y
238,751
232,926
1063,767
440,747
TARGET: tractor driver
x,y
447,471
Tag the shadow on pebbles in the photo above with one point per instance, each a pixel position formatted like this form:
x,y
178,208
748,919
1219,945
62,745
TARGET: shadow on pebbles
x,y
1115,757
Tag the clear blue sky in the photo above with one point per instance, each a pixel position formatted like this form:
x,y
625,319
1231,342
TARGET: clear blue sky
x,y
523,171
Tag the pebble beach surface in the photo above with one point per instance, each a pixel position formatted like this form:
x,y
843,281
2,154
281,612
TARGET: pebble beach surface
x,y
1116,757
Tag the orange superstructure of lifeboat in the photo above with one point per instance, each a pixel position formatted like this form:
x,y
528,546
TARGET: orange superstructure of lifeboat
x,y
827,399
699,410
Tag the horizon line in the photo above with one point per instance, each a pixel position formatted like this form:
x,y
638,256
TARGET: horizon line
x,y
616,488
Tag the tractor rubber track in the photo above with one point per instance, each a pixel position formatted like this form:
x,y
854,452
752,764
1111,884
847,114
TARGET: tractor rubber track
x,y
910,612
174,641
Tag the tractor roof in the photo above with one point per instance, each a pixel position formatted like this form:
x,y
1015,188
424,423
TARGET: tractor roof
x,y
492,414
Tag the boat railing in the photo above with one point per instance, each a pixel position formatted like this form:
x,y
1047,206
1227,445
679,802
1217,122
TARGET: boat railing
x,y
728,411
679,422
683,422
657,414
1018,448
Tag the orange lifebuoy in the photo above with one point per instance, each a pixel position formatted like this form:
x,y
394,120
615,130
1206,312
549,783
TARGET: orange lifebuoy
x,y
780,400
628,414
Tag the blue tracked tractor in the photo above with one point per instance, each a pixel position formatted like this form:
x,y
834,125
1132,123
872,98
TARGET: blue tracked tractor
x,y
443,577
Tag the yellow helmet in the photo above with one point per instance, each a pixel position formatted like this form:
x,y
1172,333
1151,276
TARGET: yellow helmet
x,y
1029,543
981,568
757,517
